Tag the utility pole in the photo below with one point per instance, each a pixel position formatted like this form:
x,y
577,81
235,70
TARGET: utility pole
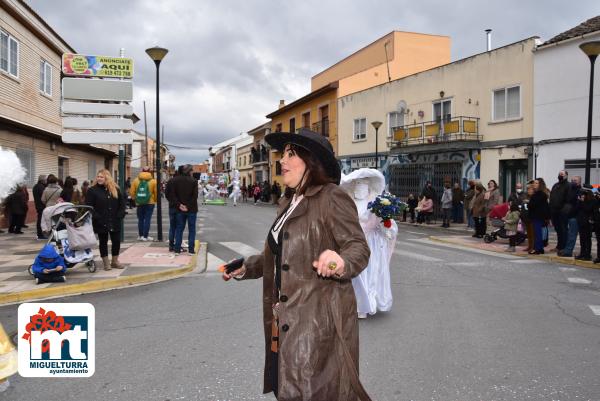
x,y
122,165
145,158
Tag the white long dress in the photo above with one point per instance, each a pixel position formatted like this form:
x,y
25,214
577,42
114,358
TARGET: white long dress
x,y
372,286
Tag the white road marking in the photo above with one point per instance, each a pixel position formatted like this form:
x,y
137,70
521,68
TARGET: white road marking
x,y
417,256
463,248
463,264
568,269
577,280
595,309
241,248
213,262
414,232
525,261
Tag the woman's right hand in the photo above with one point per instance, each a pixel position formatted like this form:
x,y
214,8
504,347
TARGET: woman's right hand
x,y
236,273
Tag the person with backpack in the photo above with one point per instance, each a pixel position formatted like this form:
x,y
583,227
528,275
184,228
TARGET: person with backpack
x,y
143,191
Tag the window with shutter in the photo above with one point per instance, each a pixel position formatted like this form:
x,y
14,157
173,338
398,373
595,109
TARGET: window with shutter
x,y
513,102
91,170
3,51
506,103
360,129
42,75
48,87
9,54
45,78
25,156
396,120
14,57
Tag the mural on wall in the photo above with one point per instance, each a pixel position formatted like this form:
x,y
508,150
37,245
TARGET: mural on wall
x,y
470,163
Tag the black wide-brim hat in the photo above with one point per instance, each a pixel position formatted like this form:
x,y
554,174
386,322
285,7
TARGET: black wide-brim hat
x,y
315,143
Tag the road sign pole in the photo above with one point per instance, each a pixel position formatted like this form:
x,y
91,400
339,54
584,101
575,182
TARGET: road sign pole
x,y
122,183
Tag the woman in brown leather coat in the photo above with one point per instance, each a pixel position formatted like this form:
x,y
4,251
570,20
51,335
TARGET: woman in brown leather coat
x,y
313,250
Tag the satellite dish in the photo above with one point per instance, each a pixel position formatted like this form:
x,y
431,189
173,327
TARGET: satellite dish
x,y
401,107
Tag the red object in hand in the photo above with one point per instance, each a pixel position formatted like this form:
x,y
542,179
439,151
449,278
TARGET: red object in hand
x,y
387,223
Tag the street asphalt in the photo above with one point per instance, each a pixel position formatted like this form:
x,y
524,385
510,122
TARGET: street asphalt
x,y
466,325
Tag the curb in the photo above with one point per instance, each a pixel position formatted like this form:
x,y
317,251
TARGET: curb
x,y
102,285
555,259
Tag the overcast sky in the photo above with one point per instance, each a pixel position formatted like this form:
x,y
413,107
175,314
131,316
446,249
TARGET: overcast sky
x,y
230,61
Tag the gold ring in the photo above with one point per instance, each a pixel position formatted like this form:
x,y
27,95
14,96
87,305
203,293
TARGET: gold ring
x,y
332,265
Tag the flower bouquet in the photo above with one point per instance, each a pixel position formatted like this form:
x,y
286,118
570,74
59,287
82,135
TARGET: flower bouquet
x,y
387,207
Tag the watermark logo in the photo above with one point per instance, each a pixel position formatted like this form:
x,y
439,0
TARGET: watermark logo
x,y
57,340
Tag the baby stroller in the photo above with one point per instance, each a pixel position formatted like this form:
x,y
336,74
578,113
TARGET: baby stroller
x,y
79,219
500,232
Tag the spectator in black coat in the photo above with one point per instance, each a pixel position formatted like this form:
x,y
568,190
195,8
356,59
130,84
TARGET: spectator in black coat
x,y
539,212
109,210
585,214
570,210
184,195
596,217
412,203
16,209
458,198
559,208
429,192
518,196
38,190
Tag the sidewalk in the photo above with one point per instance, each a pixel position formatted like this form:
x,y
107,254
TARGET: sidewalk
x,y
459,234
145,262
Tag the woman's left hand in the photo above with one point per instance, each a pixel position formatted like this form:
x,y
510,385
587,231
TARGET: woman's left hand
x,y
329,264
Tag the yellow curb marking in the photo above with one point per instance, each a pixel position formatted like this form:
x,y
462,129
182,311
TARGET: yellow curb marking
x,y
100,285
555,259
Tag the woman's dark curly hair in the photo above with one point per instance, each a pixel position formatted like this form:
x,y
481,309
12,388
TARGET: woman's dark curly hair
x,y
315,172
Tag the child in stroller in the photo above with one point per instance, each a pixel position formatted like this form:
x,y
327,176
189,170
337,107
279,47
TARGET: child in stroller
x,y
55,220
503,228
49,266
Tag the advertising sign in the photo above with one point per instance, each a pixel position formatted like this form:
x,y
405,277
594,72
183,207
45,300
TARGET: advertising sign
x,y
97,89
97,66
362,162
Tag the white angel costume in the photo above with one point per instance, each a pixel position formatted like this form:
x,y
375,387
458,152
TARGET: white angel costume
x,y
211,192
373,286
236,192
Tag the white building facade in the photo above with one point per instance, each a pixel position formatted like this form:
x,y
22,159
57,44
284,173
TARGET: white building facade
x,y
561,96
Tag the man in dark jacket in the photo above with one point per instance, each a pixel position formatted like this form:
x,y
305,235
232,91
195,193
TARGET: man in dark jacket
x,y
184,195
38,190
458,197
559,208
172,210
429,191
571,213
518,196
585,213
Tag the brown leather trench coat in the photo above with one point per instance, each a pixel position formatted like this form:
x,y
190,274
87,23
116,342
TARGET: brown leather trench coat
x,y
318,337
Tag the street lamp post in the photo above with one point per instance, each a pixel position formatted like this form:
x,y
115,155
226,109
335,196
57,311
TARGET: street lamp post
x,y
591,49
157,54
376,125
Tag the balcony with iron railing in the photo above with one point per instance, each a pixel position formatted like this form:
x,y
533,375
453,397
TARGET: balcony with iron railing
x,y
322,127
259,155
454,132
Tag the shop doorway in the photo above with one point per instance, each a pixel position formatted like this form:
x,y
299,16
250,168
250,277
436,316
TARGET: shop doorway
x,y
511,172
